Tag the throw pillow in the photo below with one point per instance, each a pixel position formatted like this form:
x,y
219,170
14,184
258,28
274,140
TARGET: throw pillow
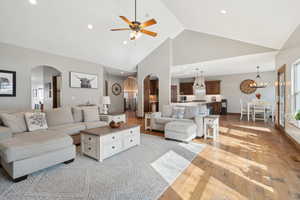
x,y
16,122
178,112
59,116
77,114
91,115
36,121
191,112
167,111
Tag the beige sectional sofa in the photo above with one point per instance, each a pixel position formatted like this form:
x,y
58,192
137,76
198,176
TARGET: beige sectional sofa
x,y
171,113
23,152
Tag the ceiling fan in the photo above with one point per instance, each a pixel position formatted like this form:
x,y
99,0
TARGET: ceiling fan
x,y
137,27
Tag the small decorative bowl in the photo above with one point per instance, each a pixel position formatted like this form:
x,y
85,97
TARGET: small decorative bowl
x,y
113,124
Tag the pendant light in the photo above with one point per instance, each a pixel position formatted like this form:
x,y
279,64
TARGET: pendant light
x,y
258,83
199,84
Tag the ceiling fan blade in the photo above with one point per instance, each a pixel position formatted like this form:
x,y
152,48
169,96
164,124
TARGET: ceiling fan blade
x,y
126,20
148,23
153,34
120,29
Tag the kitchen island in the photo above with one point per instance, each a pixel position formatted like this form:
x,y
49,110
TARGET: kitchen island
x,y
214,106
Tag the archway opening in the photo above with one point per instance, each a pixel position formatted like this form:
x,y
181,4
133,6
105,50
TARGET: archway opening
x,y
151,94
46,83
130,94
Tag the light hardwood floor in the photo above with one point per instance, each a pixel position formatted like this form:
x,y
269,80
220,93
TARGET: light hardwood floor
x,y
250,161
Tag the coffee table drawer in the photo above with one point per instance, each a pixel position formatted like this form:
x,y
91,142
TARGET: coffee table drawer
x,y
111,149
131,141
134,132
90,150
89,139
111,138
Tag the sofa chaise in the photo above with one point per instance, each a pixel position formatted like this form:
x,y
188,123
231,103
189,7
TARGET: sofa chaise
x,y
23,152
171,113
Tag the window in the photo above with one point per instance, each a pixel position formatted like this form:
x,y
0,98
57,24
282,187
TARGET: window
x,y
296,86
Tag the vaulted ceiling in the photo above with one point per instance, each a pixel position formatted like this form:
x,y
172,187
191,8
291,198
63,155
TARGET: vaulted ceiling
x,y
60,26
266,23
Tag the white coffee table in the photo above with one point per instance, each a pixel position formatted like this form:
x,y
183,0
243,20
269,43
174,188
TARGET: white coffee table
x,y
104,142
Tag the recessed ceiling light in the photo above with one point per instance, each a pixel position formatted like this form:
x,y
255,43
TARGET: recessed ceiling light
x,y
125,42
90,26
223,12
33,2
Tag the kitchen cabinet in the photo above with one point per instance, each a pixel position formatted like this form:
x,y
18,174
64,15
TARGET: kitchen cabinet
x,y
213,87
186,89
153,87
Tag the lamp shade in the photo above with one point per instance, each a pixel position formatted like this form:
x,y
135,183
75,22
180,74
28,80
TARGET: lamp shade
x,y
106,100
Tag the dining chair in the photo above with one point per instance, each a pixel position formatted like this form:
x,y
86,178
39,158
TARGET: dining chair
x,y
259,112
244,110
271,112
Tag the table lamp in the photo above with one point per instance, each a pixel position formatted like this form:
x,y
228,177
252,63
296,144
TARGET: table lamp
x,y
105,102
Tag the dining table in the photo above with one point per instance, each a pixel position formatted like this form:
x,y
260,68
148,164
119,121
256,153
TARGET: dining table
x,y
251,104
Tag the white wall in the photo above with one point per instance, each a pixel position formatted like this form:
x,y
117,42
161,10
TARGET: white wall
x,y
288,55
230,89
117,102
37,81
157,63
195,47
22,61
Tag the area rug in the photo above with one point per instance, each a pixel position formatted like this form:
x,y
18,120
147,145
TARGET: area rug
x,y
140,173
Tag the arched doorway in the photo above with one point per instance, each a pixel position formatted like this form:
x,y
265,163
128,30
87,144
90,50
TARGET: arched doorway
x,y
46,84
151,93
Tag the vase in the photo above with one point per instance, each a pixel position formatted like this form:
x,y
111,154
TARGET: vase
x,y
258,96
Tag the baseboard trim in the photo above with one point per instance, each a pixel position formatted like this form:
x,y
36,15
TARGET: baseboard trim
x,y
233,113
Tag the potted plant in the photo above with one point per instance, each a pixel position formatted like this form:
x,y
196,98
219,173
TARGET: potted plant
x,y
258,95
297,118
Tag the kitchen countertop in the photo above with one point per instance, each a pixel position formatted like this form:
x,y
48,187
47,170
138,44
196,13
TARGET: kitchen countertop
x,y
198,102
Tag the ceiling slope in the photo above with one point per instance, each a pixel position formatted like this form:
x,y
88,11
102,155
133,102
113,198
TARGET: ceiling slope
x,y
294,39
194,47
266,23
60,27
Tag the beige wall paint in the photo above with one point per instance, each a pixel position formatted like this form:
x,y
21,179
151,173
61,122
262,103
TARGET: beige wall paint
x,y
195,47
288,56
22,61
117,102
157,63
230,89
188,47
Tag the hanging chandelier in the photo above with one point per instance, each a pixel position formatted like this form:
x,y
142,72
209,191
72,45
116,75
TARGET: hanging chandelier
x,y
258,83
199,84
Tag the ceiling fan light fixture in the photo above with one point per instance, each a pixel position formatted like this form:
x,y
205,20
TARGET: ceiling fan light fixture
x,y
134,35
137,27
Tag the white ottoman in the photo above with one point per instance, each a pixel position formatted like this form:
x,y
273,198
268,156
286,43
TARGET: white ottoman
x,y
181,131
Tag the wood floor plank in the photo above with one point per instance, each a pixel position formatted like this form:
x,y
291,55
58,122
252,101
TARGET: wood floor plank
x,y
250,161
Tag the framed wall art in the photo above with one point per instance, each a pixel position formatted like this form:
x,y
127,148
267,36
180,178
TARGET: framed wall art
x,y
116,89
83,80
7,83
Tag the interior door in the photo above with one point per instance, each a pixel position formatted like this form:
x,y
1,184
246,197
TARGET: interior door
x,y
281,97
56,91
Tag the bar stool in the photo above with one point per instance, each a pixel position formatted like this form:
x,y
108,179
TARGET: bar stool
x,y
211,122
